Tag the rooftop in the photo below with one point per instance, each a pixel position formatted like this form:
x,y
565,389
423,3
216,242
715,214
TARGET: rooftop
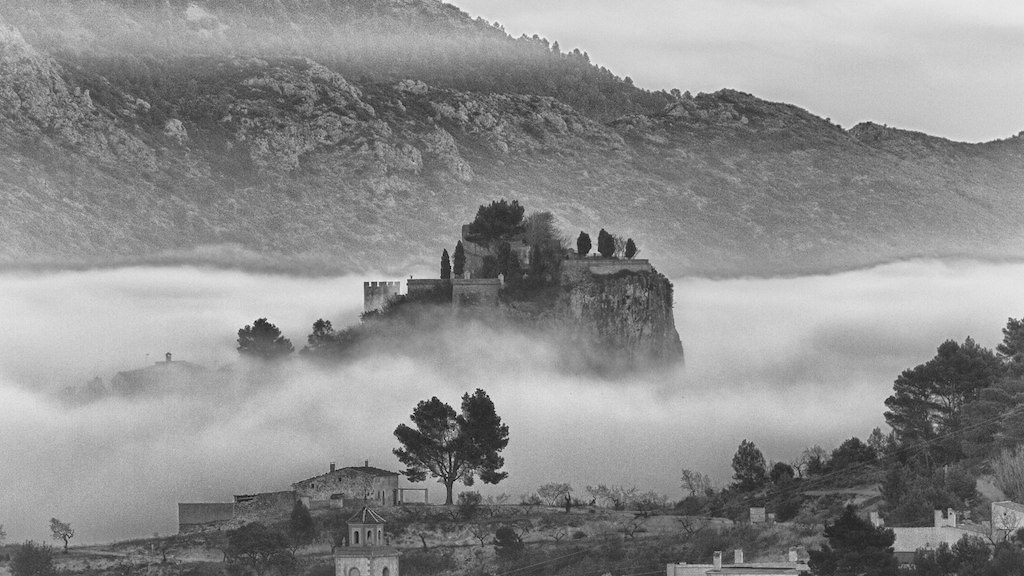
x,y
1010,505
348,471
366,516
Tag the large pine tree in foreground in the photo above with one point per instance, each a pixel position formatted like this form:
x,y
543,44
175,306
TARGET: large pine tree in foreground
x,y
454,447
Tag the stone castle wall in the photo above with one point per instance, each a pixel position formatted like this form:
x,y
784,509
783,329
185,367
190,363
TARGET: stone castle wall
x,y
475,292
198,517
423,286
605,266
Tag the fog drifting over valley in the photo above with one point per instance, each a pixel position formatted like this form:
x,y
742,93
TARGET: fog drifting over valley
x,y
786,363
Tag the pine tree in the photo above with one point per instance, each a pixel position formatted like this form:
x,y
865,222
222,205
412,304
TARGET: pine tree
x,y
750,468
301,527
446,266
855,547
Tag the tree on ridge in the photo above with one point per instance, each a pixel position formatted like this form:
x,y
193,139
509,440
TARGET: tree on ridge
x,y
446,266
583,244
453,447
263,340
61,531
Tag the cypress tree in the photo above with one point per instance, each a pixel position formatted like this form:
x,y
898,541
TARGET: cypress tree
x,y
460,260
605,244
583,244
446,266
630,248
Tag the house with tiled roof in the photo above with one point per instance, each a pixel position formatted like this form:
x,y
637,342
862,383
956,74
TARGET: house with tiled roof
x,y
350,486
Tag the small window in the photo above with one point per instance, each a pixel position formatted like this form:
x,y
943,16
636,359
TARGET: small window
x,y
369,536
353,571
356,541
386,572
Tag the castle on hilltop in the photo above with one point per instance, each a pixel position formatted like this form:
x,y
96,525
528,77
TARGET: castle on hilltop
x,y
470,290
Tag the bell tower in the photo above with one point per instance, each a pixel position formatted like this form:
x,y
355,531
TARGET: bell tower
x,y
366,551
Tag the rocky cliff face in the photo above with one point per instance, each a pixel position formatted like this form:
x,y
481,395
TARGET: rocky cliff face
x,y
628,316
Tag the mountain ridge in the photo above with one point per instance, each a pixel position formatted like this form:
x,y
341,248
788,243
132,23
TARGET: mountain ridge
x,y
197,152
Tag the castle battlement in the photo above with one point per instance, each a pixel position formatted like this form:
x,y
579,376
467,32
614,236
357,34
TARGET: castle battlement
x,y
377,293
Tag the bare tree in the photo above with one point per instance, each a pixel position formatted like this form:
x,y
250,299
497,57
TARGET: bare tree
x,y
552,492
1008,470
612,496
1004,525
530,501
696,482
630,528
647,502
691,525
620,246
62,531
493,504
481,532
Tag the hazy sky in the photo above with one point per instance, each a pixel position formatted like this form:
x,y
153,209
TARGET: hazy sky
x,y
785,363
948,68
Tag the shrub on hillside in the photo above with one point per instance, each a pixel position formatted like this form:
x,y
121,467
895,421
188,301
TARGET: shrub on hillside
x,y
469,504
426,563
508,543
31,559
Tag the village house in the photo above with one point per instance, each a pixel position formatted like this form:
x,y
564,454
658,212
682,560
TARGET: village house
x,y
1007,519
911,539
351,486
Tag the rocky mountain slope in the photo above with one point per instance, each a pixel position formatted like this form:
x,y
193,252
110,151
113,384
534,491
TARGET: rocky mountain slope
x,y
336,135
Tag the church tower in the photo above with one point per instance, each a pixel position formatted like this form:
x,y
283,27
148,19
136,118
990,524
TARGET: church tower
x,y
366,551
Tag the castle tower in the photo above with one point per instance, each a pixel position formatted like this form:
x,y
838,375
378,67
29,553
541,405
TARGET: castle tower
x,y
376,294
366,552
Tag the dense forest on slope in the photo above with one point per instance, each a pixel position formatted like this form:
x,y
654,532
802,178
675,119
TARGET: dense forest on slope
x,y
333,135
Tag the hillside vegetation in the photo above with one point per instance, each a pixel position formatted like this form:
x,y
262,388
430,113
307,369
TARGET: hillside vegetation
x,y
334,135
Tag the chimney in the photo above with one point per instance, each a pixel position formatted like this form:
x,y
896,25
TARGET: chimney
x,y
876,521
737,556
718,560
366,464
332,466
793,556
167,357
951,517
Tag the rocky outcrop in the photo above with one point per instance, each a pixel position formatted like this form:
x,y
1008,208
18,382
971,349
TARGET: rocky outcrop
x,y
209,144
626,318
38,105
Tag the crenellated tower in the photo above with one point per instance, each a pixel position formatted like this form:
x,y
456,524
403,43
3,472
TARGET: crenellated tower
x,y
376,294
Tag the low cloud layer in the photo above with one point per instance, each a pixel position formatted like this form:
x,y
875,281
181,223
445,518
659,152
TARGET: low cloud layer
x,y
783,362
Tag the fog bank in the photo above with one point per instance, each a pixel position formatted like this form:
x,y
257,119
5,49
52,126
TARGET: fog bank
x,y
784,362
